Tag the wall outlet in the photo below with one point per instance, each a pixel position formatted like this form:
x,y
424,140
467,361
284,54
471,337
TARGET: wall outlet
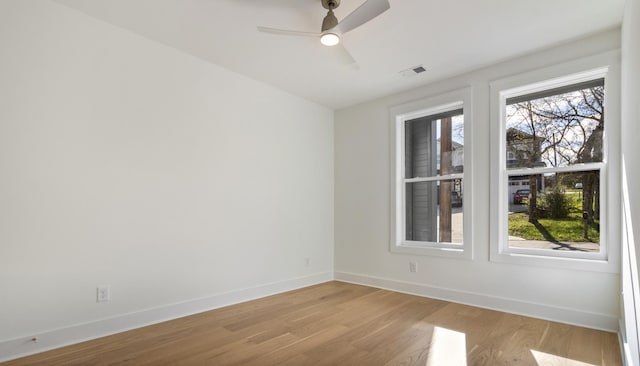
x,y
413,267
307,262
103,294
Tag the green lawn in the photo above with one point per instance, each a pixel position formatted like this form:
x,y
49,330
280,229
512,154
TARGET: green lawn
x,y
570,229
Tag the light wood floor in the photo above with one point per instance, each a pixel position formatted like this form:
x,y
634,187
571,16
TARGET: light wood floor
x,y
343,324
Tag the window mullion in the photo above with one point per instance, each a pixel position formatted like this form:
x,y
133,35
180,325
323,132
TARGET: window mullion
x,y
563,169
434,178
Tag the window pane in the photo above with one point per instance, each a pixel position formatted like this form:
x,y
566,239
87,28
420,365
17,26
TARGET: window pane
x,y
556,130
559,211
434,211
434,146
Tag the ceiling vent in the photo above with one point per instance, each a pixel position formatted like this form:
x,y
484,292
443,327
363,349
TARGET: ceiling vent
x,y
412,71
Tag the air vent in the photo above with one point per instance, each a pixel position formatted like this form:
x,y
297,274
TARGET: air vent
x,y
413,71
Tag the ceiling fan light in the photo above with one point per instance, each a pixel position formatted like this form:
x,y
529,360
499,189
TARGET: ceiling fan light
x,y
330,39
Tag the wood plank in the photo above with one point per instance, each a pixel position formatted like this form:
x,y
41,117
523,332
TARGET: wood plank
x,y
337,323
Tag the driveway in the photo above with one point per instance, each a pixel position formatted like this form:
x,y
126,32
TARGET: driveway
x,y
517,208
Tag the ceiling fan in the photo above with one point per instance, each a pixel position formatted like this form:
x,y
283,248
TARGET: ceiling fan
x,y
332,30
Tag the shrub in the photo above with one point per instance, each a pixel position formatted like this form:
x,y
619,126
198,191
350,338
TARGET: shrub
x,y
554,203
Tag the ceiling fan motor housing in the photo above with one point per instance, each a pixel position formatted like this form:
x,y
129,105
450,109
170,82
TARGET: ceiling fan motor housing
x,y
329,21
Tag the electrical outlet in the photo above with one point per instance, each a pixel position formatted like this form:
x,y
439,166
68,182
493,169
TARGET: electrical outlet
x,y
103,294
307,262
413,267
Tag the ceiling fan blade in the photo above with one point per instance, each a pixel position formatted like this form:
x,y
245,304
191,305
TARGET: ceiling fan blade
x,y
364,13
285,32
344,56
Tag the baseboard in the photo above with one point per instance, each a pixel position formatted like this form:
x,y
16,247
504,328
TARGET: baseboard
x,y
542,311
57,338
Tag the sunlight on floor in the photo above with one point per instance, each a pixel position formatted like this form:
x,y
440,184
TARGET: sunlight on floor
x,y
448,347
545,359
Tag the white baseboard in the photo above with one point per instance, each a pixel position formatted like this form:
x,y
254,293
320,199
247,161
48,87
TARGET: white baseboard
x,y
56,338
535,310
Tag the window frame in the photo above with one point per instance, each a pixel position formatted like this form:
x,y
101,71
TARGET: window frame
x,y
398,115
605,66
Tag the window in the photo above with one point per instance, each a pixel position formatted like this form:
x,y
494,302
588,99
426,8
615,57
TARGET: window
x,y
557,135
430,192
550,164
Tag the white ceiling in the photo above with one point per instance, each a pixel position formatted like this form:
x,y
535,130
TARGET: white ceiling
x,y
448,37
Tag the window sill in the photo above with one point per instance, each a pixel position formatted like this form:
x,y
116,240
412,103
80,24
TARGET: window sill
x,y
447,251
594,263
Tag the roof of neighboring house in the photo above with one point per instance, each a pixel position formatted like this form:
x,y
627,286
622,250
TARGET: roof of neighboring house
x,y
456,145
517,134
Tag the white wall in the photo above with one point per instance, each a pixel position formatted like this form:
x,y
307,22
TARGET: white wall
x,y
631,160
127,163
362,212
631,107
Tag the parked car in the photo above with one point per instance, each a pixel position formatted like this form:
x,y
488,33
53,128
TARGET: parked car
x,y
520,196
578,185
456,200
